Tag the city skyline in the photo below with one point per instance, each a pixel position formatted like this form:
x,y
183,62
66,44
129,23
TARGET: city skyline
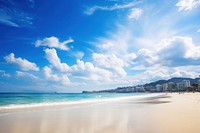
x,y
96,45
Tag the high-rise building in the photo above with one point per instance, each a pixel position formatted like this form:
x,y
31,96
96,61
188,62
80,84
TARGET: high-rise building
x,y
139,89
165,87
199,85
170,85
158,88
180,86
186,83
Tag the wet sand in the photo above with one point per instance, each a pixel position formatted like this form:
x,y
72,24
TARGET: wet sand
x,y
171,113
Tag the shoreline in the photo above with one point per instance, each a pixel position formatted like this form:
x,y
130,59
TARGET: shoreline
x,y
13,107
53,105
161,113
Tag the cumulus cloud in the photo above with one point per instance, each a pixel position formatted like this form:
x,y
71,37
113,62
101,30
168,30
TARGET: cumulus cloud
x,y
176,51
53,42
158,72
182,73
26,75
135,14
60,78
83,70
170,59
21,63
174,57
129,59
146,57
106,46
91,10
179,47
52,57
110,62
87,71
187,5
114,52
117,49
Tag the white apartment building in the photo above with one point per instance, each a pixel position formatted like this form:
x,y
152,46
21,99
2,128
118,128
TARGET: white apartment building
x,y
186,83
165,87
159,87
180,86
199,85
170,86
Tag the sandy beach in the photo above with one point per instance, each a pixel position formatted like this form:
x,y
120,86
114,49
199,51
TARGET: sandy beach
x,y
164,113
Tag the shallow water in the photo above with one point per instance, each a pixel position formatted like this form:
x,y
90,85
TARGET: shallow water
x,y
7,100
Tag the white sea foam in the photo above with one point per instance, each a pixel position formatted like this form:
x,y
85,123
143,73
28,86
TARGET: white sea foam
x,y
97,100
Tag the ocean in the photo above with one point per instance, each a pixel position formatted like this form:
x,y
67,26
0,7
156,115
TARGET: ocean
x,y
20,100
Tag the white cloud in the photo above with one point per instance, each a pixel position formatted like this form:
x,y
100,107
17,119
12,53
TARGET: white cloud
x,y
60,78
4,74
198,30
137,45
53,42
78,55
8,22
87,71
174,57
106,45
91,10
12,16
182,73
176,51
82,70
135,14
110,62
185,71
179,47
129,59
187,5
25,74
118,43
114,52
146,57
52,57
22,63
158,72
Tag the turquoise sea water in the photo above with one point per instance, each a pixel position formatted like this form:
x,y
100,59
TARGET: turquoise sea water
x,y
11,99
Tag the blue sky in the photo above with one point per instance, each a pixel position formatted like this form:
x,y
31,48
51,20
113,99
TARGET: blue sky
x,y
70,46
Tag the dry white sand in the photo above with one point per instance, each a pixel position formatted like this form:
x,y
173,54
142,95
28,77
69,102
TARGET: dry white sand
x,y
171,113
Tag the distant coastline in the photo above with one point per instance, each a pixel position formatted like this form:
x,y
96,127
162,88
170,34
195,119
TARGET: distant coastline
x,y
175,84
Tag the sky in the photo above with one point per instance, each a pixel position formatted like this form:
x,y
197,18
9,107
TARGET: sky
x,y
74,45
